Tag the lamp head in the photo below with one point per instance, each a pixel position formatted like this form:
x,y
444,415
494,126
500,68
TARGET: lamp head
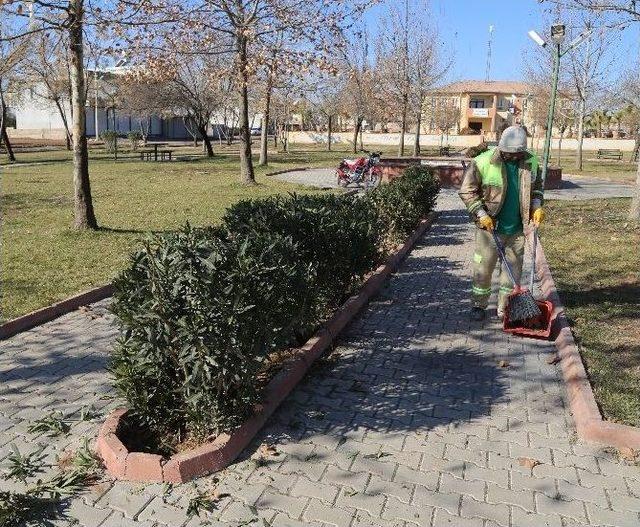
x,y
558,32
537,38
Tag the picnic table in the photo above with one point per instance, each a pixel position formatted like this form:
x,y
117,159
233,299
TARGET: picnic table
x,y
147,155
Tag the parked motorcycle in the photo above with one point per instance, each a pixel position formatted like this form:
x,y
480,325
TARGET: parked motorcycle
x,y
363,171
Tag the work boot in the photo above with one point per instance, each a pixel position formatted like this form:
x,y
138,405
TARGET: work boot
x,y
477,314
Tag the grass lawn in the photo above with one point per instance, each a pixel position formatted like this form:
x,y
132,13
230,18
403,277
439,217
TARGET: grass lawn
x,y
593,251
44,260
618,171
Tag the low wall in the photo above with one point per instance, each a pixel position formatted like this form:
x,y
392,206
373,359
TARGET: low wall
x,y
450,171
456,141
346,138
55,134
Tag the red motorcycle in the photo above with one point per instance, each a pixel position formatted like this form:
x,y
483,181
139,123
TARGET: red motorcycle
x,y
363,171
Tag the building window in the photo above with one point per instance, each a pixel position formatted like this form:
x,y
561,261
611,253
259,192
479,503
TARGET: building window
x,y
476,103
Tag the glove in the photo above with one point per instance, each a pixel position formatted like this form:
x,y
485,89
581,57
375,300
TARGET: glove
x,y
538,217
486,223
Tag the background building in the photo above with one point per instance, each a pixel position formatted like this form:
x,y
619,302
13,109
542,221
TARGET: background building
x,y
476,107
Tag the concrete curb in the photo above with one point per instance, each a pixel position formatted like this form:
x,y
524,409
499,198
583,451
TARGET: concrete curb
x,y
219,453
285,170
40,316
590,425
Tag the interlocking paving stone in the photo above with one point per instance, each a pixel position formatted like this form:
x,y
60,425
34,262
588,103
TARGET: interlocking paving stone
x,y
411,423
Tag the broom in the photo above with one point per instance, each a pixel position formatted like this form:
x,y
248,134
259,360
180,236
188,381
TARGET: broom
x,y
522,305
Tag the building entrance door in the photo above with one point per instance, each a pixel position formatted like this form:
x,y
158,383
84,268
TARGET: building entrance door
x,y
475,126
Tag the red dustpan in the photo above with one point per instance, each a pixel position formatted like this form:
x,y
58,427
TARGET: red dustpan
x,y
540,326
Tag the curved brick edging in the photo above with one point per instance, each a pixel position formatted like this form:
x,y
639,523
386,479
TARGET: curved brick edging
x,y
590,425
45,314
219,453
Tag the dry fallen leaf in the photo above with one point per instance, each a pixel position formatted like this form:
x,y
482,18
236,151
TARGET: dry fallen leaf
x,y
265,450
503,364
553,359
528,462
628,454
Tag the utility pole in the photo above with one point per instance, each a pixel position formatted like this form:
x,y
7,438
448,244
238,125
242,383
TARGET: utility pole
x,y
488,74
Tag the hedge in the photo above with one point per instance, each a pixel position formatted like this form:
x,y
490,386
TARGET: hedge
x,y
201,310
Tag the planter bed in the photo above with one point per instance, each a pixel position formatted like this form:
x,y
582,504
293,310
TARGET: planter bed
x,y
222,450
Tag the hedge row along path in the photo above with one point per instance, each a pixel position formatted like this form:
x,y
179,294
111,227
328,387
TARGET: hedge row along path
x,y
413,420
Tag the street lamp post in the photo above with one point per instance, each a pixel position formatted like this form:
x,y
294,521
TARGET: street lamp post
x,y
558,33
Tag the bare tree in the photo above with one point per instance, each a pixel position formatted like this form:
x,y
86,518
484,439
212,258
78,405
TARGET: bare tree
x,y
611,14
244,29
356,76
50,72
64,18
588,66
142,99
13,56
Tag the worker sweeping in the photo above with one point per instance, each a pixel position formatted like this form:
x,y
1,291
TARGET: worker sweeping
x,y
502,191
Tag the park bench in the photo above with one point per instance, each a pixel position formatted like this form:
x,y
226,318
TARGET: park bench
x,y
607,153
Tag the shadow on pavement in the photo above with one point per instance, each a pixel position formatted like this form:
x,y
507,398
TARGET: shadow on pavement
x,y
412,363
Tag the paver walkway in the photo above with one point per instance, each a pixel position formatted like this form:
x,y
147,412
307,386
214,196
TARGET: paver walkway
x,y
413,420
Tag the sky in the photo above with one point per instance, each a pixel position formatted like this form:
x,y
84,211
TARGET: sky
x,y
464,27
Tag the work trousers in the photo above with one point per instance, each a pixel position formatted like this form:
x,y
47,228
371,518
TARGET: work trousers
x,y
484,262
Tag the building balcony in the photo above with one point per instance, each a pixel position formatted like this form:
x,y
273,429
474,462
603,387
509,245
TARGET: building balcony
x,y
486,113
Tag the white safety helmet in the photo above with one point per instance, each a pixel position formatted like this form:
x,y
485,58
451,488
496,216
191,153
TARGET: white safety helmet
x,y
513,140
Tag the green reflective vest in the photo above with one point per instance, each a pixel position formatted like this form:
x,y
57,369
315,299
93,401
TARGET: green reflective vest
x,y
491,174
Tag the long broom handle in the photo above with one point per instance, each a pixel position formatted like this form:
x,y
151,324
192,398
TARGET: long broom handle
x,y
533,256
504,258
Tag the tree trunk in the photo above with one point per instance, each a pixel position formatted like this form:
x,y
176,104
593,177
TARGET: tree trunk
x,y
65,123
4,136
634,211
84,215
329,133
416,143
403,126
581,112
206,140
356,131
247,175
560,147
264,133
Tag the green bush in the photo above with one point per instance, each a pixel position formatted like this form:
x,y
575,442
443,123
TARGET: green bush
x,y
199,313
134,138
201,309
339,235
110,138
402,204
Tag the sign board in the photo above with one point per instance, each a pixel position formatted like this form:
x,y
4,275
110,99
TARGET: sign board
x,y
480,112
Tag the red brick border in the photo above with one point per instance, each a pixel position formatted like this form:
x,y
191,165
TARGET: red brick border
x,y
40,316
219,453
587,417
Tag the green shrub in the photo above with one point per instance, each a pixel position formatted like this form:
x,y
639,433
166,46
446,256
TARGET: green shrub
x,y
339,235
401,204
201,309
134,138
199,312
110,138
